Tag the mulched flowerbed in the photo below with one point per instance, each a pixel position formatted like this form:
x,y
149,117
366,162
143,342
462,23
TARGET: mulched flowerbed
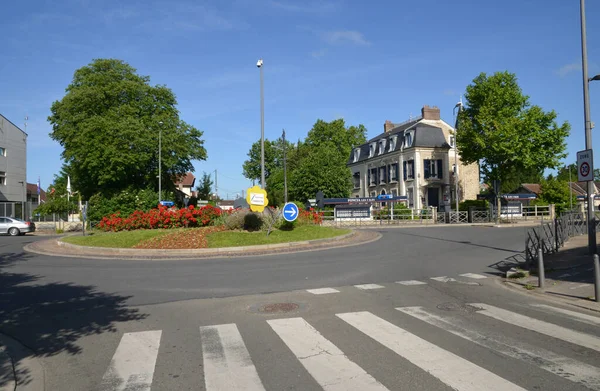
x,y
184,238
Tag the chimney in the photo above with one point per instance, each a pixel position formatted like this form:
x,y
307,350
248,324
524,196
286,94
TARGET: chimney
x,y
388,126
432,113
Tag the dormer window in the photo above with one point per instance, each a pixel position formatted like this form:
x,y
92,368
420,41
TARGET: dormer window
x,y
372,150
408,140
356,154
381,146
452,142
393,141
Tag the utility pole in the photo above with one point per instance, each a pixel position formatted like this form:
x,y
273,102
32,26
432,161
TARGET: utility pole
x,y
591,217
285,195
570,190
159,160
216,185
260,64
459,105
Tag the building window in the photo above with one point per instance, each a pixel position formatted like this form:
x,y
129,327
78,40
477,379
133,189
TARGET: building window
x,y
452,141
2,151
356,154
382,176
394,172
432,169
373,194
411,201
409,169
2,178
394,192
408,140
372,150
372,177
356,179
381,146
393,141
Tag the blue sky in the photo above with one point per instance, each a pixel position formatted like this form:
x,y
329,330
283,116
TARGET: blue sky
x,y
363,61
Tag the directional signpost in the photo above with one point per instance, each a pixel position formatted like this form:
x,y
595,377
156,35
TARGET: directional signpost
x,y
257,199
290,212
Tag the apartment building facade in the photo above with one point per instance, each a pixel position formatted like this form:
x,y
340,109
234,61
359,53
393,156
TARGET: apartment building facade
x,y
13,162
417,159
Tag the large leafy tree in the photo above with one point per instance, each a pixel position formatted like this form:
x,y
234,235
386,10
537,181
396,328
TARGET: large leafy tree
x,y
204,188
504,133
557,192
108,123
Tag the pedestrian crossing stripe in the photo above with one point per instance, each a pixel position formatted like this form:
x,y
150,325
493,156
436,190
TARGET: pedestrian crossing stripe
x,y
411,282
322,291
474,276
228,365
365,287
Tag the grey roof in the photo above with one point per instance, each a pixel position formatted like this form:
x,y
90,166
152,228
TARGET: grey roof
x,y
425,136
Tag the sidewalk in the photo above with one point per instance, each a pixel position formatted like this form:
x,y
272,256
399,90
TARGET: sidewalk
x,y
569,275
19,368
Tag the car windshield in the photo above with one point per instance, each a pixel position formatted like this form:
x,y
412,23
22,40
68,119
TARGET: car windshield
x,y
19,220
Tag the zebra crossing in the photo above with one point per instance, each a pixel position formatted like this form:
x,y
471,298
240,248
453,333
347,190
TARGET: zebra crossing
x,y
442,279
227,362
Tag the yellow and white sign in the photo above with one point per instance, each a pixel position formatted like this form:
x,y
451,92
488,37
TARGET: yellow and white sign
x,y
257,199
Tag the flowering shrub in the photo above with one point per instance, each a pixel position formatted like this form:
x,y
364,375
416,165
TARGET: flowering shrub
x,y
162,217
309,216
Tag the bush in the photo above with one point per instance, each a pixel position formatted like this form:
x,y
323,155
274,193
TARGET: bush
x,y
125,203
480,204
252,222
161,217
309,216
235,219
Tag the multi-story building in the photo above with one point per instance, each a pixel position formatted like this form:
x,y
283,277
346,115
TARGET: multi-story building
x,y
13,163
414,159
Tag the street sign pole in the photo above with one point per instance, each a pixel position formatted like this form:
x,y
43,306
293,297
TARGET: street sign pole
x,y
585,173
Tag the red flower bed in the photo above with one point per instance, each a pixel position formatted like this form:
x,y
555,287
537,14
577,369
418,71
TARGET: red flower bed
x,y
162,217
309,216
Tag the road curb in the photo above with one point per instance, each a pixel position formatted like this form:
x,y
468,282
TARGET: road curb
x,y
27,371
182,254
579,303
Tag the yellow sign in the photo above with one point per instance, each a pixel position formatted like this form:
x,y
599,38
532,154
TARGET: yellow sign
x,y
257,199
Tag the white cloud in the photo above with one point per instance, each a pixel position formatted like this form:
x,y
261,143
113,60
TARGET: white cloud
x,y
566,69
345,36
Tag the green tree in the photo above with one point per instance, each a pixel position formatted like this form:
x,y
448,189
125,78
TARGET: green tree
x,y
335,134
205,186
273,159
563,173
502,131
324,170
108,123
514,178
557,192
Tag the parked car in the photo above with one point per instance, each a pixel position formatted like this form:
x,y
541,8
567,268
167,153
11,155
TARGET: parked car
x,y
15,227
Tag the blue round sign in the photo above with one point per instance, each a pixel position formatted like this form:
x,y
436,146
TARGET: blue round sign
x,y
290,211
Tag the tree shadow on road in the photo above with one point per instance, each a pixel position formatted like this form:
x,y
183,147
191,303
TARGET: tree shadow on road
x,y
50,318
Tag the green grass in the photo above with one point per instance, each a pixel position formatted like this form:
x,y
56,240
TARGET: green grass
x,y
239,238
123,239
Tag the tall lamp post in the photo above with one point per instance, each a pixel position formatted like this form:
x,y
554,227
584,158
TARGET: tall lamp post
x,y
23,203
260,64
458,106
591,217
160,123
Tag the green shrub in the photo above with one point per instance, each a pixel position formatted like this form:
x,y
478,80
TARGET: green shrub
x,y
480,204
252,222
125,202
235,220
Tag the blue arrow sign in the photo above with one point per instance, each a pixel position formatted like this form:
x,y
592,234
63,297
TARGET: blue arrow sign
x,y
290,211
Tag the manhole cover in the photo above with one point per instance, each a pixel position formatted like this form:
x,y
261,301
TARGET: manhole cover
x,y
275,308
457,307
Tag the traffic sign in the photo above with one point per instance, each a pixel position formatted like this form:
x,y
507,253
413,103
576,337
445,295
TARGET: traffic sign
x,y
257,199
290,212
585,165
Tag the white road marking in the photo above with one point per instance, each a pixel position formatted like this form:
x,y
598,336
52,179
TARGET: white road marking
x,y
585,318
451,369
327,364
365,287
550,329
474,276
132,366
227,363
580,286
322,291
443,279
570,369
411,282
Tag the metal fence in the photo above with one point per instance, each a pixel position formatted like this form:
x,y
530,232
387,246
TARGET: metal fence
x,y
380,217
551,236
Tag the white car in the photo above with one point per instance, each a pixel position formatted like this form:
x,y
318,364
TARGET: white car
x,y
15,227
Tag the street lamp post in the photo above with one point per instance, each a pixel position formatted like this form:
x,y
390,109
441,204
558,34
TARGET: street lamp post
x,y
285,197
260,64
591,218
160,123
459,105
23,203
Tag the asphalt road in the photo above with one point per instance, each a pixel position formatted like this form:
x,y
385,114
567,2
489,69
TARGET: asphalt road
x,y
436,319
402,253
